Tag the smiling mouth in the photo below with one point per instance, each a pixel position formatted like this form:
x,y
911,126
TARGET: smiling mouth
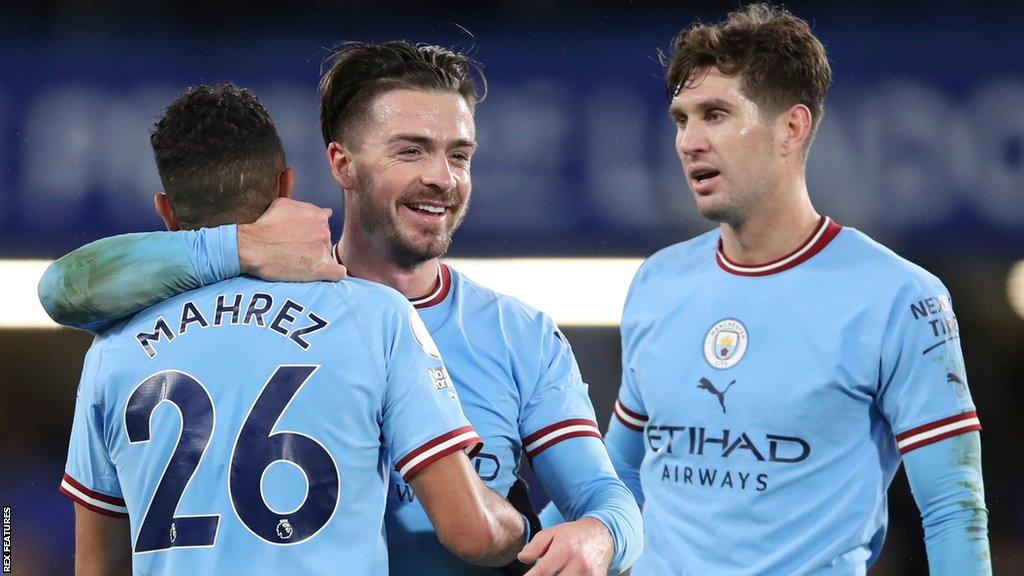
x,y
426,208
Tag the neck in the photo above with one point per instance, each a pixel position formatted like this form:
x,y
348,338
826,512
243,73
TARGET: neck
x,y
784,221
369,260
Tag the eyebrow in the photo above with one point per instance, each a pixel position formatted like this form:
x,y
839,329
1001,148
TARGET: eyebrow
x,y
426,141
703,106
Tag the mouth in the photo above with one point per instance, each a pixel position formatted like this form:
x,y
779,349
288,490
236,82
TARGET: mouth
x,y
703,179
427,212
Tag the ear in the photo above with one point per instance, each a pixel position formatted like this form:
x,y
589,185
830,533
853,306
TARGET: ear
x,y
285,183
794,128
340,159
163,208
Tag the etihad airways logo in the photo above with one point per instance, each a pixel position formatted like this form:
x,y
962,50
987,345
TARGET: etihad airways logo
x,y
699,441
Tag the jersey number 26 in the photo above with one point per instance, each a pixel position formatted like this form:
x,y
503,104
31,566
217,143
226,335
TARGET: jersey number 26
x,y
255,449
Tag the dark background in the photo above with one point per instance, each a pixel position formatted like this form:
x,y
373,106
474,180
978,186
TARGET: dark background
x,y
922,147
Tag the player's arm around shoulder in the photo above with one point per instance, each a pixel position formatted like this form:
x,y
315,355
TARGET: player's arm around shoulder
x,y
117,276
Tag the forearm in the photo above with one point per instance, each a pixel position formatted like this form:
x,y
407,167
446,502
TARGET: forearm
x,y
582,483
509,529
102,544
947,484
117,276
472,521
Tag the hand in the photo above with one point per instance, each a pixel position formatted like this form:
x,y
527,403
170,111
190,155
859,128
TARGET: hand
x,y
290,242
580,548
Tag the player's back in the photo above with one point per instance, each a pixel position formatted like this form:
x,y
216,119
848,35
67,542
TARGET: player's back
x,y
244,423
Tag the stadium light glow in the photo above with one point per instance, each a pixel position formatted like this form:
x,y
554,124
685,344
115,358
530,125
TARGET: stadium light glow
x,y
1015,288
21,307
574,291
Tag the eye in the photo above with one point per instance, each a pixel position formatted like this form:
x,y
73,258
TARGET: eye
x,y
680,120
715,115
410,152
461,156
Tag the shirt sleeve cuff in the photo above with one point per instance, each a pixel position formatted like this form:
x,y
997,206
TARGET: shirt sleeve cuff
x,y
95,501
938,430
630,418
218,254
548,436
414,462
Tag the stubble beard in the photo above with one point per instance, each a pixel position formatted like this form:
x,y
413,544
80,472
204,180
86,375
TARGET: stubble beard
x,y
379,223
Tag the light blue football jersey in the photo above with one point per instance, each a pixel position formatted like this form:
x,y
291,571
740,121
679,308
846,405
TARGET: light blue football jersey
x,y
774,402
520,388
245,427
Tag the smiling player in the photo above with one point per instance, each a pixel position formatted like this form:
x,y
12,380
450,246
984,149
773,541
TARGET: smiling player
x,y
398,123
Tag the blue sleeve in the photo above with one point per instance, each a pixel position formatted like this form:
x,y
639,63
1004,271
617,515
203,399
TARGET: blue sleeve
x,y
625,437
945,478
111,278
626,450
90,477
581,482
557,407
564,445
422,417
923,391
550,516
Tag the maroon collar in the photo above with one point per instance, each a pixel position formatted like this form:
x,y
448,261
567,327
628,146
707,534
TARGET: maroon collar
x,y
437,294
440,291
823,233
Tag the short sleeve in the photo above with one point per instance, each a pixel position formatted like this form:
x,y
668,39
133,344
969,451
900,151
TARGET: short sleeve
x,y
923,391
629,407
90,477
422,417
559,407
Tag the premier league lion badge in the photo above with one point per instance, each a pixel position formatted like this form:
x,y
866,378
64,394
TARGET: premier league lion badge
x,y
725,343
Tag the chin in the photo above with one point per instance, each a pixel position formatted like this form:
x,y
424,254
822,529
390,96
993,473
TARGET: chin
x,y
718,213
410,253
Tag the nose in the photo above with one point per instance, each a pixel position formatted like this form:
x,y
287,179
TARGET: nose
x,y
691,139
438,174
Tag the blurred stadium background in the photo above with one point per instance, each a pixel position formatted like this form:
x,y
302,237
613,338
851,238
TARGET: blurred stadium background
x,y
922,147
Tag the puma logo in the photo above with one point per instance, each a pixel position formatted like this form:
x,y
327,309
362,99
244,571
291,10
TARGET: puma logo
x,y
706,384
950,377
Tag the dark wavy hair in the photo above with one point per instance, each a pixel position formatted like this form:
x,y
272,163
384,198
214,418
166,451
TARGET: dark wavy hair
x,y
358,72
219,156
778,59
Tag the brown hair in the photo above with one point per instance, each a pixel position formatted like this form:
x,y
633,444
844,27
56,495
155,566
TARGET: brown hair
x,y
219,156
360,71
778,59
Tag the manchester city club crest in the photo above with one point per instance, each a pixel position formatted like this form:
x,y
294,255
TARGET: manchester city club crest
x,y
725,343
